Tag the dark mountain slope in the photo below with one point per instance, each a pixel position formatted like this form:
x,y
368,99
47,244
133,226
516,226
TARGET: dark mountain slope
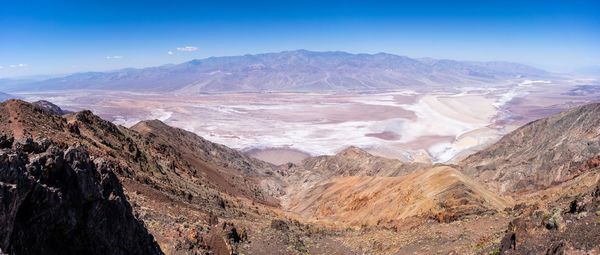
x,y
55,202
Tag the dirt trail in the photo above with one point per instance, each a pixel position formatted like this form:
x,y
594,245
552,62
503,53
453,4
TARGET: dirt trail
x,y
15,126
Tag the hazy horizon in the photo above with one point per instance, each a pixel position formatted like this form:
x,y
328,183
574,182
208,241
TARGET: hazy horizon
x,y
44,38
51,75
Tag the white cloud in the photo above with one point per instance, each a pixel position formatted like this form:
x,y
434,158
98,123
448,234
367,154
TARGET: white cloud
x,y
187,48
18,65
114,57
1,67
170,52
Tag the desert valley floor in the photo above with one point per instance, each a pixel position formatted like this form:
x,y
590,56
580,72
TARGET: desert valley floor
x,y
411,125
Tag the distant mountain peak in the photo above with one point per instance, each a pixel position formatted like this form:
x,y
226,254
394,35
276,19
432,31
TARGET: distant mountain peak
x,y
296,70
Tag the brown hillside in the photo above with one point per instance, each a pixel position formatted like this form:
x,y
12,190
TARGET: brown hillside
x,y
441,192
541,153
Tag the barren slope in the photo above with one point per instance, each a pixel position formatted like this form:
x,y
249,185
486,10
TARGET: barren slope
x,y
541,153
354,161
440,192
356,187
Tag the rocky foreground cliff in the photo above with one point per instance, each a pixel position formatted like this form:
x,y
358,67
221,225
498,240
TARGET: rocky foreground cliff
x,y
535,191
55,201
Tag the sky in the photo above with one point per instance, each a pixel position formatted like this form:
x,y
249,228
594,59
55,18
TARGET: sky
x,y
60,37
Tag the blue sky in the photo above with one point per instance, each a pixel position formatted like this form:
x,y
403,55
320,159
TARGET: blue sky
x,y
54,37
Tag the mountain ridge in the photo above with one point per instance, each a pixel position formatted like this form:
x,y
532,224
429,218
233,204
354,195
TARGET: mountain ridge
x,y
298,70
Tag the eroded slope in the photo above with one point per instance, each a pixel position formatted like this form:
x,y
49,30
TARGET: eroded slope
x,y
539,154
442,193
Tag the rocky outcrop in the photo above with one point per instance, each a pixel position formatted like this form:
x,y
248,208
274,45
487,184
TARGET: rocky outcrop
x,y
224,239
565,226
61,202
49,107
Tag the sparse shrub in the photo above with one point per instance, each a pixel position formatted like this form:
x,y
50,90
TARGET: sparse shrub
x,y
495,251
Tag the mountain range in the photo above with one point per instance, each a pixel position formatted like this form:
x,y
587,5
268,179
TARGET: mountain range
x,y
299,70
93,187
5,96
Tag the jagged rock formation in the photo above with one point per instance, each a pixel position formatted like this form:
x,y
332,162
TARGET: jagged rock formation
x,y
541,153
61,202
